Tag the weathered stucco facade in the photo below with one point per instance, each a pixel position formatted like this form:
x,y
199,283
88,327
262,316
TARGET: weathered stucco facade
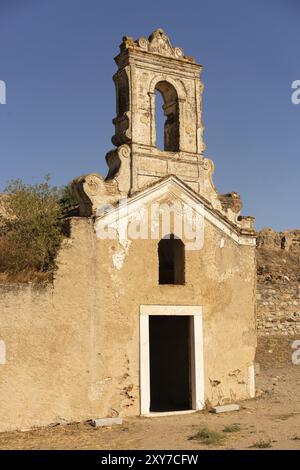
x,y
80,348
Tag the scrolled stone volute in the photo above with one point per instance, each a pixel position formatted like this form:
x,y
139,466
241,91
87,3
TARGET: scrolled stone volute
x,y
118,161
92,192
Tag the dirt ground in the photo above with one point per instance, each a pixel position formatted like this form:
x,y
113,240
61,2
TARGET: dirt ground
x,y
271,420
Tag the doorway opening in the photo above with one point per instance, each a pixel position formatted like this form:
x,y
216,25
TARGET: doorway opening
x,y
170,363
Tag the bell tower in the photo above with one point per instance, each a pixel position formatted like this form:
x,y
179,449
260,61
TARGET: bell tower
x,y
147,67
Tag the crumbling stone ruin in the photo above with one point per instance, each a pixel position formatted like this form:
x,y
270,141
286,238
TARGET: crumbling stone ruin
x,y
288,240
278,282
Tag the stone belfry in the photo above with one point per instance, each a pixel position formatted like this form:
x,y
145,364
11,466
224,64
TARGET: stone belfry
x,y
147,67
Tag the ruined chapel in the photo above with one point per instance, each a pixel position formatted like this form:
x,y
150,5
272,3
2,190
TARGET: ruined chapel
x,y
152,309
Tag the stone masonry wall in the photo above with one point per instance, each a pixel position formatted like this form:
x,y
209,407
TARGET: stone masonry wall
x,y
278,283
278,308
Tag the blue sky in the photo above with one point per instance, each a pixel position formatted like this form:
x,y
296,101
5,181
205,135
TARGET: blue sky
x,y
57,62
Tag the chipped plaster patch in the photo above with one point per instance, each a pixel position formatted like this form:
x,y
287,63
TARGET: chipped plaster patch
x,y
119,257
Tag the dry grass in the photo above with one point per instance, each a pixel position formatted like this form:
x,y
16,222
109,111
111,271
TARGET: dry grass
x,y
261,445
208,437
232,428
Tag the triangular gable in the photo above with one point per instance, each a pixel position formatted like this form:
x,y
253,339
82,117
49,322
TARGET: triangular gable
x,y
174,186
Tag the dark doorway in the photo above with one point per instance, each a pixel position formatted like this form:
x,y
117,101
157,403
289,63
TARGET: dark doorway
x,y
170,388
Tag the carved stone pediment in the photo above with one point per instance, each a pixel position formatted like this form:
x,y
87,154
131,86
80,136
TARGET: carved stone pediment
x,y
157,43
160,43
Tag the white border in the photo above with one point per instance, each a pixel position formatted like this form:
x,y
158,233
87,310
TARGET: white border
x,y
196,358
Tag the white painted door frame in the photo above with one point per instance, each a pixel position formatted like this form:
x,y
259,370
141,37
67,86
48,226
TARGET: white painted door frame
x,y
197,367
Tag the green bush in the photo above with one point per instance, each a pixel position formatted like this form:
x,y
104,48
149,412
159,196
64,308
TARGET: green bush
x,y
30,227
67,198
